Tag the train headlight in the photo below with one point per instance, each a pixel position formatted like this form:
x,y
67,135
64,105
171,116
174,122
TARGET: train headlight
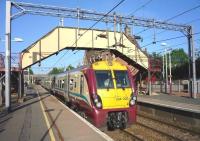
x,y
97,101
98,105
133,100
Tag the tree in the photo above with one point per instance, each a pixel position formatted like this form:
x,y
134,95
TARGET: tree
x,y
31,71
155,55
69,67
179,57
197,67
56,70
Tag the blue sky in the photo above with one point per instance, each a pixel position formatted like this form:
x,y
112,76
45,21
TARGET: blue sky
x,y
31,28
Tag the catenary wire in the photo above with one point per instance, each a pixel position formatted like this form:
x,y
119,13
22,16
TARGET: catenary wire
x,y
173,17
91,28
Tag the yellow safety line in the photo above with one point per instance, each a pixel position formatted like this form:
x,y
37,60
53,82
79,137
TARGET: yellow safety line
x,y
52,137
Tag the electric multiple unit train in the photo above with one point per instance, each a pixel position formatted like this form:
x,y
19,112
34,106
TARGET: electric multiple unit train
x,y
103,91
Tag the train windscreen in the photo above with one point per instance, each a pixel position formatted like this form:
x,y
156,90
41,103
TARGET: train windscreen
x,y
104,79
122,80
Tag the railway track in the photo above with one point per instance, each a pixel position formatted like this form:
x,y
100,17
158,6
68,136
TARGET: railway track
x,y
168,123
169,130
149,129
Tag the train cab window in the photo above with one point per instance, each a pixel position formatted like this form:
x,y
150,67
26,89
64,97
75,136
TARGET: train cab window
x,y
122,80
104,79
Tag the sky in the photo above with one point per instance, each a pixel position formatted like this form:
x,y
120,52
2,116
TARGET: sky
x,y
31,27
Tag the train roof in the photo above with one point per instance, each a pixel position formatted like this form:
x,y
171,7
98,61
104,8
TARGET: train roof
x,y
73,70
94,65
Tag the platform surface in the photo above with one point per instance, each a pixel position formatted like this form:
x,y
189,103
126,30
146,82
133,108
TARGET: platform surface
x,y
43,117
25,122
174,102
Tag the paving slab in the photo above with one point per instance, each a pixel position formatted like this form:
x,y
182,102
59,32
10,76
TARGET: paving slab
x,y
69,125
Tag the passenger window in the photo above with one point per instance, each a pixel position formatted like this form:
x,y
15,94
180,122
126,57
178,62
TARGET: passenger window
x,y
71,81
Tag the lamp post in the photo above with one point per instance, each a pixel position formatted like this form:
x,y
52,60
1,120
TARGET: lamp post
x,y
163,71
8,54
170,71
166,71
165,62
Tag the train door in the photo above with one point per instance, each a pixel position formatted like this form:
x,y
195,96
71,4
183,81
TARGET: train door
x,y
74,91
53,84
66,87
84,90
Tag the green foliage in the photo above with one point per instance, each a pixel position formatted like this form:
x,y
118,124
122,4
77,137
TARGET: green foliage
x,y
155,55
31,71
56,70
179,57
182,71
198,68
69,67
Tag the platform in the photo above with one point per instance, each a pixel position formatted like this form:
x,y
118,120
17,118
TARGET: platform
x,y
43,117
174,102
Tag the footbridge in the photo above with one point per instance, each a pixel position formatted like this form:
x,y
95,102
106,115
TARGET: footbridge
x,y
121,44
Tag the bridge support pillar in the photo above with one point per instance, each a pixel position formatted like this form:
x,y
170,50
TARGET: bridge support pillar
x,y
21,86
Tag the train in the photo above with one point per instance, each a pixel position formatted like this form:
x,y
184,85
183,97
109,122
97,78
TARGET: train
x,y
103,91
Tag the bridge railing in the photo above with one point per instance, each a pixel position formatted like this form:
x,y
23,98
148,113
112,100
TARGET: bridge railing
x,y
14,61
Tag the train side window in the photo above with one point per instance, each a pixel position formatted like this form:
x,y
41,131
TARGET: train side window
x,y
71,81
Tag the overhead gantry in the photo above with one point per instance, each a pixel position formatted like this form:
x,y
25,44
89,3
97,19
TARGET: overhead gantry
x,y
33,55
61,38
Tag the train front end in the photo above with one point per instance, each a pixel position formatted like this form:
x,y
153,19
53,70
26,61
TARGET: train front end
x,y
115,100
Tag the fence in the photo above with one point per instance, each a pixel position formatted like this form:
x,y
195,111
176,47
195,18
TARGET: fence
x,y
177,86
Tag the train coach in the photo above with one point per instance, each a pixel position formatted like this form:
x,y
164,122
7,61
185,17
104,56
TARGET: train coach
x,y
103,91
